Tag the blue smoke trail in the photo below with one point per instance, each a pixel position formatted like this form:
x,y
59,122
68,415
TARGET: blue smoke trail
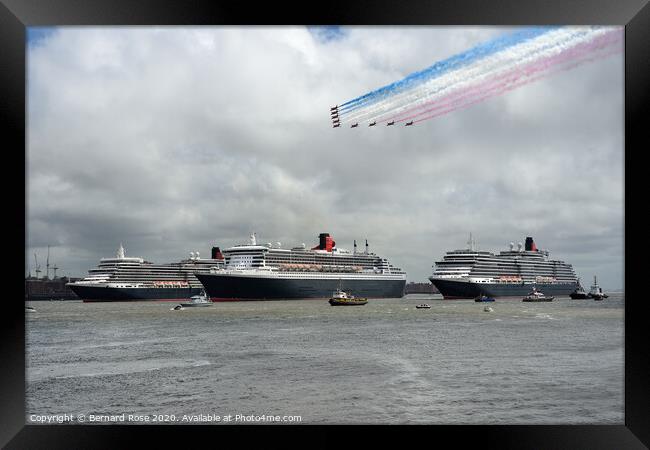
x,y
441,67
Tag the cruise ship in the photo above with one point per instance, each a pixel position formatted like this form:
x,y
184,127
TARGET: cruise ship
x,y
134,279
266,272
468,273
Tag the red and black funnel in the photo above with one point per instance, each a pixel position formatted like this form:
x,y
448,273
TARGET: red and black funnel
x,y
530,245
326,242
216,253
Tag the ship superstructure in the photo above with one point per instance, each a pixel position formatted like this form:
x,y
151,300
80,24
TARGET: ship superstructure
x,y
125,278
468,273
261,272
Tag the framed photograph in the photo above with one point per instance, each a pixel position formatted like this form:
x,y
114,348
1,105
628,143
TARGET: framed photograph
x,y
204,190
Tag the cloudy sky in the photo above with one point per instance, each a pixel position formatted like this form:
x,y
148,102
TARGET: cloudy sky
x,y
176,139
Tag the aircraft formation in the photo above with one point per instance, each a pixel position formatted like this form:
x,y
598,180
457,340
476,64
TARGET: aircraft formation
x,y
336,122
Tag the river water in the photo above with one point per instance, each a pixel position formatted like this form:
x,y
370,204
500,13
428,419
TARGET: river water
x,y
305,361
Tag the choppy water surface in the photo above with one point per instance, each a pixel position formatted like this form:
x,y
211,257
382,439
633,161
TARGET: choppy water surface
x,y
385,362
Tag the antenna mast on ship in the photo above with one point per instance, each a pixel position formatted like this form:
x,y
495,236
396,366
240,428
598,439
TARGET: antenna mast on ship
x,y
120,252
471,243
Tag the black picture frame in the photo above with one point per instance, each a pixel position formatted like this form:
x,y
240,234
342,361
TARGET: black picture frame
x,y
16,15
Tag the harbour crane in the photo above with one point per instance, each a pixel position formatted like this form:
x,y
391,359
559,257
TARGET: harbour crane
x,y
38,268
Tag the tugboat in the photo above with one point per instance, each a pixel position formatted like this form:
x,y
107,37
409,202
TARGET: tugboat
x,y
340,298
596,291
579,293
197,300
537,296
484,298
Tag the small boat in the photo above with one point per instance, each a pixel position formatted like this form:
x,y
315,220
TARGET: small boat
x,y
488,308
198,300
341,298
579,293
177,308
484,298
423,306
596,291
30,309
537,296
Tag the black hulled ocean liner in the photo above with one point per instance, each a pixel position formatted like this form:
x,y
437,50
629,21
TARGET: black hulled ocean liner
x,y
469,273
266,272
133,279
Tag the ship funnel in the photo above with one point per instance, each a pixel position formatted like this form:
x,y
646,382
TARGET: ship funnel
x,y
530,245
325,242
216,253
519,246
512,246
191,255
